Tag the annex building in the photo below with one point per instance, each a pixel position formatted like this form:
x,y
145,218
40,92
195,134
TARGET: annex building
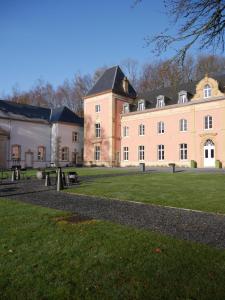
x,y
183,125
37,137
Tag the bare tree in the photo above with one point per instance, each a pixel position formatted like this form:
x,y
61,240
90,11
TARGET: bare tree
x,y
209,64
200,22
130,67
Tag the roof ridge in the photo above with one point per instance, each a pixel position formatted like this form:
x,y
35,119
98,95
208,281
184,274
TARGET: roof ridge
x,y
114,79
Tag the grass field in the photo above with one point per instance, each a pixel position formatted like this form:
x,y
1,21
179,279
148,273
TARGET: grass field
x,y
188,190
41,258
81,171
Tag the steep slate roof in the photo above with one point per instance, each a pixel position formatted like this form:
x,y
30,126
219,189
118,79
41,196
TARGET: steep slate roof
x,y
171,93
112,80
61,114
29,111
64,114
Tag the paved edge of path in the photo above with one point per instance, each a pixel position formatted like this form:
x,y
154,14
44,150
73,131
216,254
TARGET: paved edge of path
x,y
197,226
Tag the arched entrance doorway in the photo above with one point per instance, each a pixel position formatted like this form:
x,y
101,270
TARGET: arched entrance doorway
x,y
209,154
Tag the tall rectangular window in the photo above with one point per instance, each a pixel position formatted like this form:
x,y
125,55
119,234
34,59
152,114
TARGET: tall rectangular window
x,y
183,125
97,153
161,127
161,152
97,108
97,130
41,153
125,131
183,151
74,136
16,152
141,129
141,152
125,153
208,122
65,154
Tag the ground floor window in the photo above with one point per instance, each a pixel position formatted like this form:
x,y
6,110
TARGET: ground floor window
x,y
183,151
97,153
65,154
41,153
141,152
125,153
161,152
16,152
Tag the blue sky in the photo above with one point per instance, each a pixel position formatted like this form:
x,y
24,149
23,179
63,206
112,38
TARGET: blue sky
x,y
54,39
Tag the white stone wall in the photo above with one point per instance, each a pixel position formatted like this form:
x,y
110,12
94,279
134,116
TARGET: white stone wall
x,y
62,137
29,135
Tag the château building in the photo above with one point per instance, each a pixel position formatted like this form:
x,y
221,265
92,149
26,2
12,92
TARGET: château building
x,y
184,125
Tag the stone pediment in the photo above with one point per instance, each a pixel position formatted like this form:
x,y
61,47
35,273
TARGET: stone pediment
x,y
199,95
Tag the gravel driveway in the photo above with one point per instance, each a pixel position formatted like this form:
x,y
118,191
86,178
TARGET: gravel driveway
x,y
208,228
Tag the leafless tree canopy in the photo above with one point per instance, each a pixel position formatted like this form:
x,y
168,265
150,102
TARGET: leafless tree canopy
x,y
200,22
150,76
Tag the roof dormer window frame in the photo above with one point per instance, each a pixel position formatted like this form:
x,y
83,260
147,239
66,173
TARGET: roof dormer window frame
x,y
207,91
182,97
141,105
126,108
160,101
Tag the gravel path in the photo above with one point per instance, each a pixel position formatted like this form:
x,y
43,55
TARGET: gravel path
x,y
196,226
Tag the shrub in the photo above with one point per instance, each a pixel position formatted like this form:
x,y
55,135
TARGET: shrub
x,y
218,164
193,164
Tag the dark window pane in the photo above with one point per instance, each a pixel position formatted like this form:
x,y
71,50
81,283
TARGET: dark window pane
x,y
212,153
206,153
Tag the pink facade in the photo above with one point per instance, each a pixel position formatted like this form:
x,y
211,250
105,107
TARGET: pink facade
x,y
193,132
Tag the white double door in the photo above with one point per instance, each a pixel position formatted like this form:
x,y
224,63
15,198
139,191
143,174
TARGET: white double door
x,y
209,154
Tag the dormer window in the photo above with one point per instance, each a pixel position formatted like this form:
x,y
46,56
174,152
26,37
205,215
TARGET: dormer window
x,y
182,97
141,105
126,108
160,101
207,91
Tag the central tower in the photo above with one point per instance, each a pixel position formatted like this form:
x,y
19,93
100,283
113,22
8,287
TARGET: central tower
x,y
103,106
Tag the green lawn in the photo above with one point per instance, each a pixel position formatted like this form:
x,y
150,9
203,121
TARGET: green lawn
x,y
188,190
85,171
41,258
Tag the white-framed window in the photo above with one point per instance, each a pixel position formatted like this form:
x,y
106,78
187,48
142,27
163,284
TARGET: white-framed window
x,y
141,152
125,153
207,91
208,122
74,136
182,97
141,129
141,105
126,108
97,153
183,125
160,101
161,127
125,131
161,152
183,151
97,130
65,154
41,153
16,152
97,108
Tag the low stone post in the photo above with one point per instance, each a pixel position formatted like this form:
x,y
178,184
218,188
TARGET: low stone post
x,y
172,165
59,184
13,176
47,179
17,174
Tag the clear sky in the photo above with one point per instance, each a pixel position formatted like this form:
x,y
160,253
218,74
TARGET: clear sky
x,y
54,39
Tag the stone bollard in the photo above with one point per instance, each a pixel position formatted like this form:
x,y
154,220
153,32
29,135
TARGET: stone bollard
x,y
172,165
17,173
47,179
59,184
13,176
